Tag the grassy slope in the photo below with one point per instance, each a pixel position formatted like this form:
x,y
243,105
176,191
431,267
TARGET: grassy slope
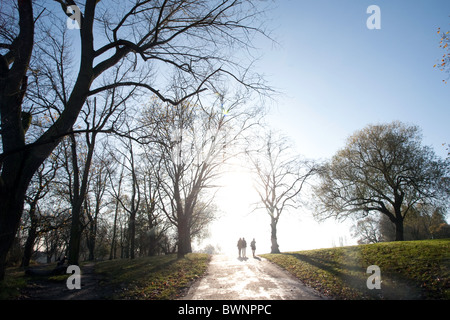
x,y
153,278
409,269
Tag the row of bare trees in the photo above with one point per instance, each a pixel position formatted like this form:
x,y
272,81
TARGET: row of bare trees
x,y
142,191
52,78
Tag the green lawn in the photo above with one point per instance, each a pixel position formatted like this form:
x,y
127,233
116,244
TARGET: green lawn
x,y
14,281
153,278
409,269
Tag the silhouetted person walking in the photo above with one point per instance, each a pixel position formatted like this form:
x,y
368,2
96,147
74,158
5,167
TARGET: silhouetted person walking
x,y
253,246
239,245
244,248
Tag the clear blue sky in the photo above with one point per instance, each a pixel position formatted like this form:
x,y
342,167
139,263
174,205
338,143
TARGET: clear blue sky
x,y
337,76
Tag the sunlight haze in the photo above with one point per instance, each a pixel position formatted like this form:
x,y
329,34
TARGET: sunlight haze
x,y
335,76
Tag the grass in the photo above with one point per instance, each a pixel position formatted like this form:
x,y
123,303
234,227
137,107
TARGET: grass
x,y
12,284
147,278
153,278
409,269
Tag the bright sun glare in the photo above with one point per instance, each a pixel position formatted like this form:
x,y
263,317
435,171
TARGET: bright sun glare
x,y
237,218
235,201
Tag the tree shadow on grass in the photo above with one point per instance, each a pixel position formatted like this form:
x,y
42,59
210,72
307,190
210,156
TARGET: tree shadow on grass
x,y
348,270
333,271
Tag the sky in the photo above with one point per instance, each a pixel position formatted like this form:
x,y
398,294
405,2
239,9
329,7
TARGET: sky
x,y
336,76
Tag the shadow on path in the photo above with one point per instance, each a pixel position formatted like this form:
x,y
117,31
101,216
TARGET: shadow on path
x,y
42,286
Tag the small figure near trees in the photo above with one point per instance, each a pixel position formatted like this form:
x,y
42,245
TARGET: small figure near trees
x,y
253,246
244,248
239,245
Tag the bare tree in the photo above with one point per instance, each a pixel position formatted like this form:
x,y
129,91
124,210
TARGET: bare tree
x,y
95,200
135,195
116,193
279,178
79,161
195,141
40,187
136,190
189,160
191,37
155,220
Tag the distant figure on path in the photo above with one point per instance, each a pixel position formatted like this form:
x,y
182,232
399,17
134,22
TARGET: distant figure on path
x,y
239,245
253,246
244,248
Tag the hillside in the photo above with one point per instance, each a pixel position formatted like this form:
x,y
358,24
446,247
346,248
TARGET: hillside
x,y
409,269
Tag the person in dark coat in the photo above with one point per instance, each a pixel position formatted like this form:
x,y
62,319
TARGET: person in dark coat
x,y
253,246
244,248
239,245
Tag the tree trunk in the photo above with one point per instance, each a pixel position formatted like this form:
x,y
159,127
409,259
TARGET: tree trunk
x,y
28,249
32,232
152,247
273,237
132,233
112,253
75,236
11,207
398,218
91,239
92,234
153,241
184,238
399,230
14,179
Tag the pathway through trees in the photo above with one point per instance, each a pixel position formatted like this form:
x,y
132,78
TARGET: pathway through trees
x,y
227,278
231,278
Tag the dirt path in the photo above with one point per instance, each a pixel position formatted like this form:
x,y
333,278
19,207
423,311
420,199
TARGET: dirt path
x,y
231,278
42,289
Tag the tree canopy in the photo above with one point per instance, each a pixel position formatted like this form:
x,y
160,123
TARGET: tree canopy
x,y
173,50
383,168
